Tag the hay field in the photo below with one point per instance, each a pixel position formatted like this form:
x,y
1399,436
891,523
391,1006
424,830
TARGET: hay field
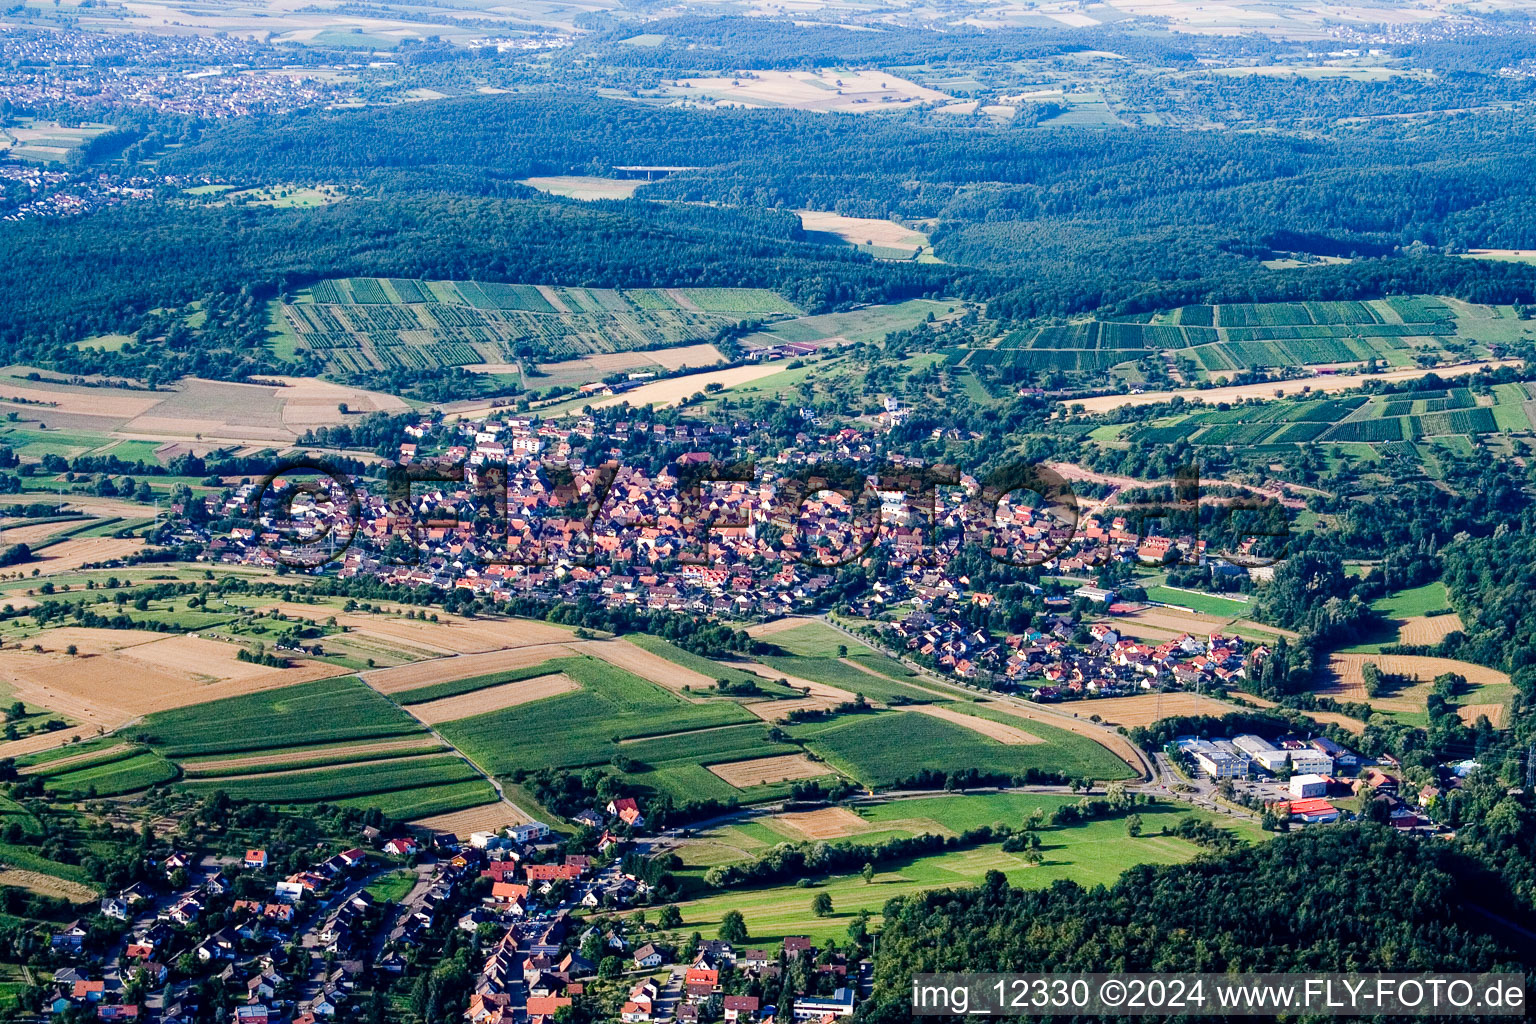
x,y
76,552
671,391
48,885
762,629
485,818
1144,709
119,675
832,694
808,90
859,230
777,710
584,187
57,763
1469,714
342,754
1317,385
494,698
450,635
222,412
827,823
984,726
653,667
763,770
1428,629
464,666
106,403
1111,741
1347,683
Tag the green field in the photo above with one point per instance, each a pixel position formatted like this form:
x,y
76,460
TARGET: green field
x,y
1208,604
454,687
334,783
112,775
1090,854
705,666
883,748
309,713
392,888
584,727
423,801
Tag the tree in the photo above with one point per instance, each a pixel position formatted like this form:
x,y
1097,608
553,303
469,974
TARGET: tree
x,y
733,928
670,917
821,905
867,873
1133,826
611,967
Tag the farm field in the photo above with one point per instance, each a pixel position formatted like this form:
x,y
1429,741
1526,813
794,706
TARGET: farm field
x,y
869,324
840,90
209,412
884,748
118,675
587,369
883,239
1296,386
323,712
1489,690
363,323
1089,854
585,187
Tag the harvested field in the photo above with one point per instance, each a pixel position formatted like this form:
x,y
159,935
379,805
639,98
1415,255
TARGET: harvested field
x,y
763,629
685,355
56,764
48,885
584,187
809,90
673,390
451,634
861,230
1111,741
350,752
34,533
1428,629
45,741
813,688
985,726
1144,709
653,667
72,554
777,710
827,823
464,666
107,403
494,698
485,818
1470,713
763,770
119,675
1347,683
1318,385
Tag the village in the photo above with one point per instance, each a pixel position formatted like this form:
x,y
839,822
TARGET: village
x,y
310,945
748,549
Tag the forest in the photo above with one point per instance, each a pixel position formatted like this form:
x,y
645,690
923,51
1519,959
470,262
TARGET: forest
x,y
1362,899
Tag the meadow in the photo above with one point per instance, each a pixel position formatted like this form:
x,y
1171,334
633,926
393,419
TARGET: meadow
x,y
881,749
1095,853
